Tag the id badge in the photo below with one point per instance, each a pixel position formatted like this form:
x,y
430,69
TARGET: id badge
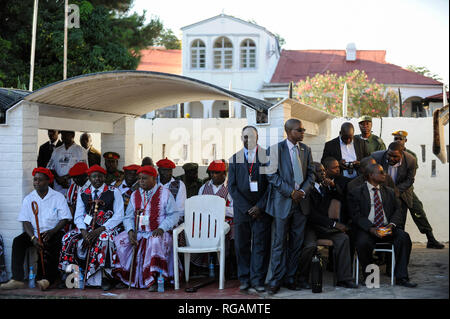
x,y
253,186
143,220
87,219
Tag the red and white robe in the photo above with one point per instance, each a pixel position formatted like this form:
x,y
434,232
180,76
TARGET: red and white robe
x,y
153,254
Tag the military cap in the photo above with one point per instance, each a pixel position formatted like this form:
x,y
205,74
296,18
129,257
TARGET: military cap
x,y
190,166
111,156
400,133
365,118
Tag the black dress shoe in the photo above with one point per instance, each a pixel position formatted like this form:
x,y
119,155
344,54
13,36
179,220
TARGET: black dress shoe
x,y
304,285
347,284
273,290
292,286
244,286
434,244
405,283
106,284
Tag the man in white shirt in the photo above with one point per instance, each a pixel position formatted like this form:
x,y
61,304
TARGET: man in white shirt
x,y
96,229
63,158
52,214
129,184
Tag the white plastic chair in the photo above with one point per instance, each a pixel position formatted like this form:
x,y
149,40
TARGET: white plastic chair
x,y
205,229
356,262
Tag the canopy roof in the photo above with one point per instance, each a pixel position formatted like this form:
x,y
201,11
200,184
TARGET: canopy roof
x,y
134,92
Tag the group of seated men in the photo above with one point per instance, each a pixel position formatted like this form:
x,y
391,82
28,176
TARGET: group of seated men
x,y
116,225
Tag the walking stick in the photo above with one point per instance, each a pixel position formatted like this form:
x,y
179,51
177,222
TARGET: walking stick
x,y
136,224
35,208
89,247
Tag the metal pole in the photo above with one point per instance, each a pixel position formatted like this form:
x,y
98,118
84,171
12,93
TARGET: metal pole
x,y
66,10
33,44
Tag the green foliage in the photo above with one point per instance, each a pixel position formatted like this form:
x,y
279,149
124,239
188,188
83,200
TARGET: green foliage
x,y
169,40
424,71
325,92
109,38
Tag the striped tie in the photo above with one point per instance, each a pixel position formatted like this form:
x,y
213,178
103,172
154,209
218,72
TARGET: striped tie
x,y
379,216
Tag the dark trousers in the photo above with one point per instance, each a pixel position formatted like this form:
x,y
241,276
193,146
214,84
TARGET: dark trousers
x,y
51,257
365,244
341,254
252,245
418,215
286,246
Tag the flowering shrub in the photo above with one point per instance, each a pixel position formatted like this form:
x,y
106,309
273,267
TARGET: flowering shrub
x,y
325,92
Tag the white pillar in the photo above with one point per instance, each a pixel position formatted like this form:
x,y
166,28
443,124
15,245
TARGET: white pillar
x,y
121,141
207,108
187,109
18,144
237,110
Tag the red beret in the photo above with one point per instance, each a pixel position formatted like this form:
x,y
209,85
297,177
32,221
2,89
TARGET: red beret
x,y
96,168
79,168
166,163
132,167
217,166
45,171
149,170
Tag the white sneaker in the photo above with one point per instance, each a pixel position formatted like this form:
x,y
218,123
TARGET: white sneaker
x,y
12,284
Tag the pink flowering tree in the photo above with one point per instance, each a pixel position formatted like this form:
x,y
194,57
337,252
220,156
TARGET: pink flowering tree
x,y
325,92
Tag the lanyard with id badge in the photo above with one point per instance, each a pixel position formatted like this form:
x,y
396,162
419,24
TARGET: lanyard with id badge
x,y
144,220
253,184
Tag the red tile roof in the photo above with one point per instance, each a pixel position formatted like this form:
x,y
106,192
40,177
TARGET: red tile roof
x,y
437,97
296,65
158,59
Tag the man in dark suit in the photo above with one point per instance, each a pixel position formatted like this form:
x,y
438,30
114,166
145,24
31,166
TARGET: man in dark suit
x,y
291,176
325,199
401,166
361,179
46,149
94,156
372,206
252,226
347,149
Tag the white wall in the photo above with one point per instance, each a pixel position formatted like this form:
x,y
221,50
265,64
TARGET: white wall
x,y
433,191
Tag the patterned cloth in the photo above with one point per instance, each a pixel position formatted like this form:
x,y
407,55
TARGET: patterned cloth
x,y
3,274
153,254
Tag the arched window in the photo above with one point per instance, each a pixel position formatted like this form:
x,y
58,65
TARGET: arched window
x,y
248,54
198,54
223,53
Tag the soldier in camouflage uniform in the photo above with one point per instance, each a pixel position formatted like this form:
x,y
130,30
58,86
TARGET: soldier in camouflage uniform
x,y
114,176
374,143
416,210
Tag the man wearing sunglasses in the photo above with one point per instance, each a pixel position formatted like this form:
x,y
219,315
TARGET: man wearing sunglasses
x,y
416,210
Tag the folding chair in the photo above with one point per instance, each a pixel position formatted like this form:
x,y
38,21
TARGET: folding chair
x,y
382,247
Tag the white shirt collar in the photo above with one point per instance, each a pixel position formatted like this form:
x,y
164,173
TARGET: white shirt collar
x,y
370,186
290,145
347,145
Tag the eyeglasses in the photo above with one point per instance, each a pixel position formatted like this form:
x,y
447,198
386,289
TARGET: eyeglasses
x,y
300,130
398,138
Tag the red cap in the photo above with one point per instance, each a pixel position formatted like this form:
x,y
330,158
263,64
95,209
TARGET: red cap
x,y
166,163
149,170
45,171
96,168
217,166
79,168
132,167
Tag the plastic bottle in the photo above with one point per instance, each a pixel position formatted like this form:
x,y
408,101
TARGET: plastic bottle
x,y
316,273
80,280
31,278
211,267
160,282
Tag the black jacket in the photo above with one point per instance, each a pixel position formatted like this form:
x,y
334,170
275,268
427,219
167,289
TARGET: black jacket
x,y
333,149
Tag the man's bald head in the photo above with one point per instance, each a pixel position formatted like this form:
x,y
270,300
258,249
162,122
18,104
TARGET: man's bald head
x,y
291,124
347,131
366,162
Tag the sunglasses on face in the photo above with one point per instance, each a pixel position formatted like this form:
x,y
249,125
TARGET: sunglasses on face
x,y
300,130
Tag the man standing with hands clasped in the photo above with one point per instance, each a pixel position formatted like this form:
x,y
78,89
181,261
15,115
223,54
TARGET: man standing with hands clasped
x,y
247,186
291,176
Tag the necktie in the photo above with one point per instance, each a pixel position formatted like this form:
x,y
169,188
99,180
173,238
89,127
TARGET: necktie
x,y
95,194
379,216
298,173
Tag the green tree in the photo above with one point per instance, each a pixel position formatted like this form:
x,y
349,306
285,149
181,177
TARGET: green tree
x,y
424,71
109,38
325,92
169,40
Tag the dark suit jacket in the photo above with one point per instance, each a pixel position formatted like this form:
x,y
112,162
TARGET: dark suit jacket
x,y
45,153
333,149
319,205
94,156
281,179
405,174
359,206
239,185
